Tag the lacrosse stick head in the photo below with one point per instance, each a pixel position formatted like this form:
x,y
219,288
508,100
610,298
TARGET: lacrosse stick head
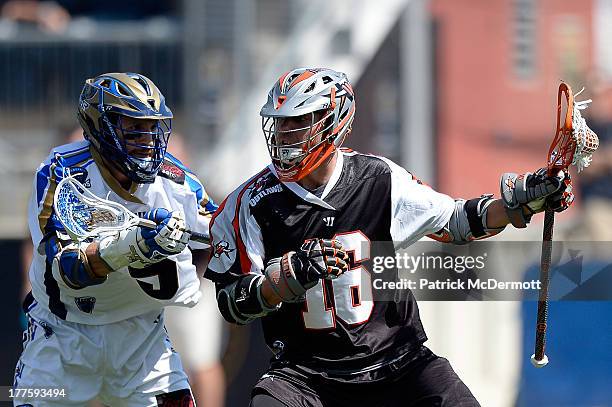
x,y
574,141
85,215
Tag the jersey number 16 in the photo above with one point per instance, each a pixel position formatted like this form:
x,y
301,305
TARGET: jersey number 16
x,y
347,299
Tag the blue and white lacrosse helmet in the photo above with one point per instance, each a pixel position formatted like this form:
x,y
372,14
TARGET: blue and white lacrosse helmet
x,y
105,102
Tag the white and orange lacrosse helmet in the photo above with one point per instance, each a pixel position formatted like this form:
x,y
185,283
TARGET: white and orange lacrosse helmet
x,y
300,92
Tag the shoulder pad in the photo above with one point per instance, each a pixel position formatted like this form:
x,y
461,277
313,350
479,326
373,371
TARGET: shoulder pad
x,y
79,173
172,172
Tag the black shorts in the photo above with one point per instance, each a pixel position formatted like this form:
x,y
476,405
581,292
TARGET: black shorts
x,y
426,382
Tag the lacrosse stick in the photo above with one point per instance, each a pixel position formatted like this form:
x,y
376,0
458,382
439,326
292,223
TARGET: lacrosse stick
x,y
574,143
84,215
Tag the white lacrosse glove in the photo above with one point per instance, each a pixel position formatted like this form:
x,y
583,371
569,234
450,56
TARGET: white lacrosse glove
x,y
139,247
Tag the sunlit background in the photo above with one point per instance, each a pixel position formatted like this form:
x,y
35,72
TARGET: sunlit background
x,y
456,91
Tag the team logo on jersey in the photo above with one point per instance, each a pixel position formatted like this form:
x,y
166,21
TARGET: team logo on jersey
x,y
329,221
278,348
223,247
260,184
178,398
172,172
79,173
48,331
85,304
263,186
243,295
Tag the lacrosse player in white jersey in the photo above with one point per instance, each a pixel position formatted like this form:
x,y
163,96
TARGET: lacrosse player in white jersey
x,y
96,321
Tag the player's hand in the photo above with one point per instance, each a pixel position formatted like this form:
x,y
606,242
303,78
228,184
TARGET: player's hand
x,y
319,258
564,198
291,275
168,238
526,194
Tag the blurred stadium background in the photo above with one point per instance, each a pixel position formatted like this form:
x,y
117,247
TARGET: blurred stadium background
x,y
456,91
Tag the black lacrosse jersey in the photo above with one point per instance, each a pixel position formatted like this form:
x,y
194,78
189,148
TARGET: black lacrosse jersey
x,y
340,331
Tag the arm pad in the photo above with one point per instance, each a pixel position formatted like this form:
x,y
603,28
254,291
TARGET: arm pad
x,y
74,267
70,261
468,222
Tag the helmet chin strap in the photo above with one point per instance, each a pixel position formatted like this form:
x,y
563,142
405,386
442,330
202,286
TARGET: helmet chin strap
x,y
142,163
289,155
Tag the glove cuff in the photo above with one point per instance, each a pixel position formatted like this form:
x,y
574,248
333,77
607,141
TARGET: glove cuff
x,y
281,274
122,249
513,191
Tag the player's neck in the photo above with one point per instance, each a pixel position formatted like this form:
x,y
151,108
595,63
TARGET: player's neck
x,y
321,174
121,178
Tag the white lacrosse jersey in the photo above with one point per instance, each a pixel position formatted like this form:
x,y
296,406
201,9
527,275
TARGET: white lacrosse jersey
x,y
122,295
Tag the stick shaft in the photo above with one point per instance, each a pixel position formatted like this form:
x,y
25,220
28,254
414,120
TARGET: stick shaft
x,y
540,342
195,236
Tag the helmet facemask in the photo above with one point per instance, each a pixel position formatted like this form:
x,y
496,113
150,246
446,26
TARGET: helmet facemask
x,y
291,157
139,154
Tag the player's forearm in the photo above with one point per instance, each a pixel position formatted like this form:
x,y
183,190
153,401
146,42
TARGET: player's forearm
x,y
497,217
97,265
269,296
77,264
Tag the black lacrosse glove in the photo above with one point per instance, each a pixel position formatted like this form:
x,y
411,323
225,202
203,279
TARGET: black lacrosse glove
x,y
562,199
319,259
527,194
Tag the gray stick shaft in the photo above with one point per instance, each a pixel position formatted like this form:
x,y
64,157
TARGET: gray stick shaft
x,y
195,236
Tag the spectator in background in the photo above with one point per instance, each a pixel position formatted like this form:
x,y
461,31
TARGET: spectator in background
x,y
49,16
119,9
55,16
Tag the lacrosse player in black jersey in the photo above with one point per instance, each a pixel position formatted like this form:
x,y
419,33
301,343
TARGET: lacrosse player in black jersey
x,y
291,246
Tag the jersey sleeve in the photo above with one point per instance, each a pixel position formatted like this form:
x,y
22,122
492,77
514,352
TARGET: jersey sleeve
x,y
36,204
203,209
416,209
41,215
49,236
237,244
